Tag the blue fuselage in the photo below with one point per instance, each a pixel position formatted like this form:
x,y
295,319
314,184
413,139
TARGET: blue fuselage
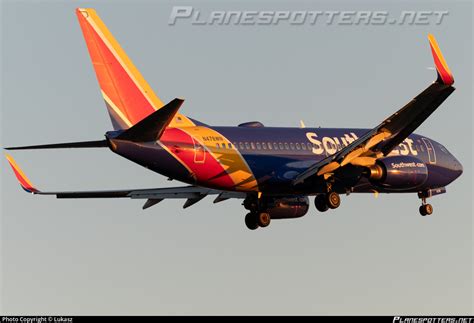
x,y
275,156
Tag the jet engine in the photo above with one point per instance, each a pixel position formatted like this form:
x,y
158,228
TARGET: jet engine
x,y
398,172
287,208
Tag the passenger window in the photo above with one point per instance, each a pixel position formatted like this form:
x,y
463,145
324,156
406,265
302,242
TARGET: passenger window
x,y
298,146
229,145
247,146
280,145
217,146
269,146
286,146
241,145
252,145
292,146
275,146
310,146
258,146
303,146
264,145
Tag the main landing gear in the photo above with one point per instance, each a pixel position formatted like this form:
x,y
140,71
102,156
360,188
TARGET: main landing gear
x,y
258,216
253,220
330,200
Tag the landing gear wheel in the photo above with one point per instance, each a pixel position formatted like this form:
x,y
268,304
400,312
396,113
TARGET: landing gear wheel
x,y
251,221
263,219
333,200
320,203
426,209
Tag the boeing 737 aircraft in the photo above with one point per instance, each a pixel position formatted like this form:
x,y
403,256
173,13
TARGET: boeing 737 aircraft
x,y
274,170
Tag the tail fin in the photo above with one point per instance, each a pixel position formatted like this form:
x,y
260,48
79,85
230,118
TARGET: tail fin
x,y
128,97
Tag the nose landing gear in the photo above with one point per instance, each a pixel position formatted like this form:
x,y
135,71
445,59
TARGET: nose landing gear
x,y
425,208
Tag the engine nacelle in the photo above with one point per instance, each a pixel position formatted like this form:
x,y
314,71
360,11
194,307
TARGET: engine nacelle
x,y
398,172
287,208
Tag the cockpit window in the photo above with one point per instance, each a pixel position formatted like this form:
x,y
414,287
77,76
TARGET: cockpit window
x,y
443,149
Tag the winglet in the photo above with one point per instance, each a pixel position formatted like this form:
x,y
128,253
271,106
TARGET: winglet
x,y
444,73
24,181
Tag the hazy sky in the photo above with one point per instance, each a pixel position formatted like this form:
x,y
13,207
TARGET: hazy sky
x,y
370,256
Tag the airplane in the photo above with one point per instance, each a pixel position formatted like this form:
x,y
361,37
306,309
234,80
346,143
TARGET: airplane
x,y
273,170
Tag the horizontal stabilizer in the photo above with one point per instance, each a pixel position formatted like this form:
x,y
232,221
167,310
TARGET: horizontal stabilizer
x,y
80,144
151,128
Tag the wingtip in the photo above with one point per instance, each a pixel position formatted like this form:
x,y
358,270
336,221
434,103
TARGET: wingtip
x,y
20,175
444,73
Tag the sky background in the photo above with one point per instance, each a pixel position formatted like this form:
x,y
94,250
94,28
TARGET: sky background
x,y
370,256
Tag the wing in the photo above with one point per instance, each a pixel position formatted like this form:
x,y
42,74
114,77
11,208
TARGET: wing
x,y
380,141
192,194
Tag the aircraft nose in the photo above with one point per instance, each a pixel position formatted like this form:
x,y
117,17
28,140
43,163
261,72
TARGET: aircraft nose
x,y
457,166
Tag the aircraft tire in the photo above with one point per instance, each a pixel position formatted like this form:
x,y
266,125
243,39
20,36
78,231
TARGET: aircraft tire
x,y
320,203
263,219
333,200
251,221
426,209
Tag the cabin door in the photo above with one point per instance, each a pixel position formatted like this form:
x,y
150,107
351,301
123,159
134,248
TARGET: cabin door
x,y
199,152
